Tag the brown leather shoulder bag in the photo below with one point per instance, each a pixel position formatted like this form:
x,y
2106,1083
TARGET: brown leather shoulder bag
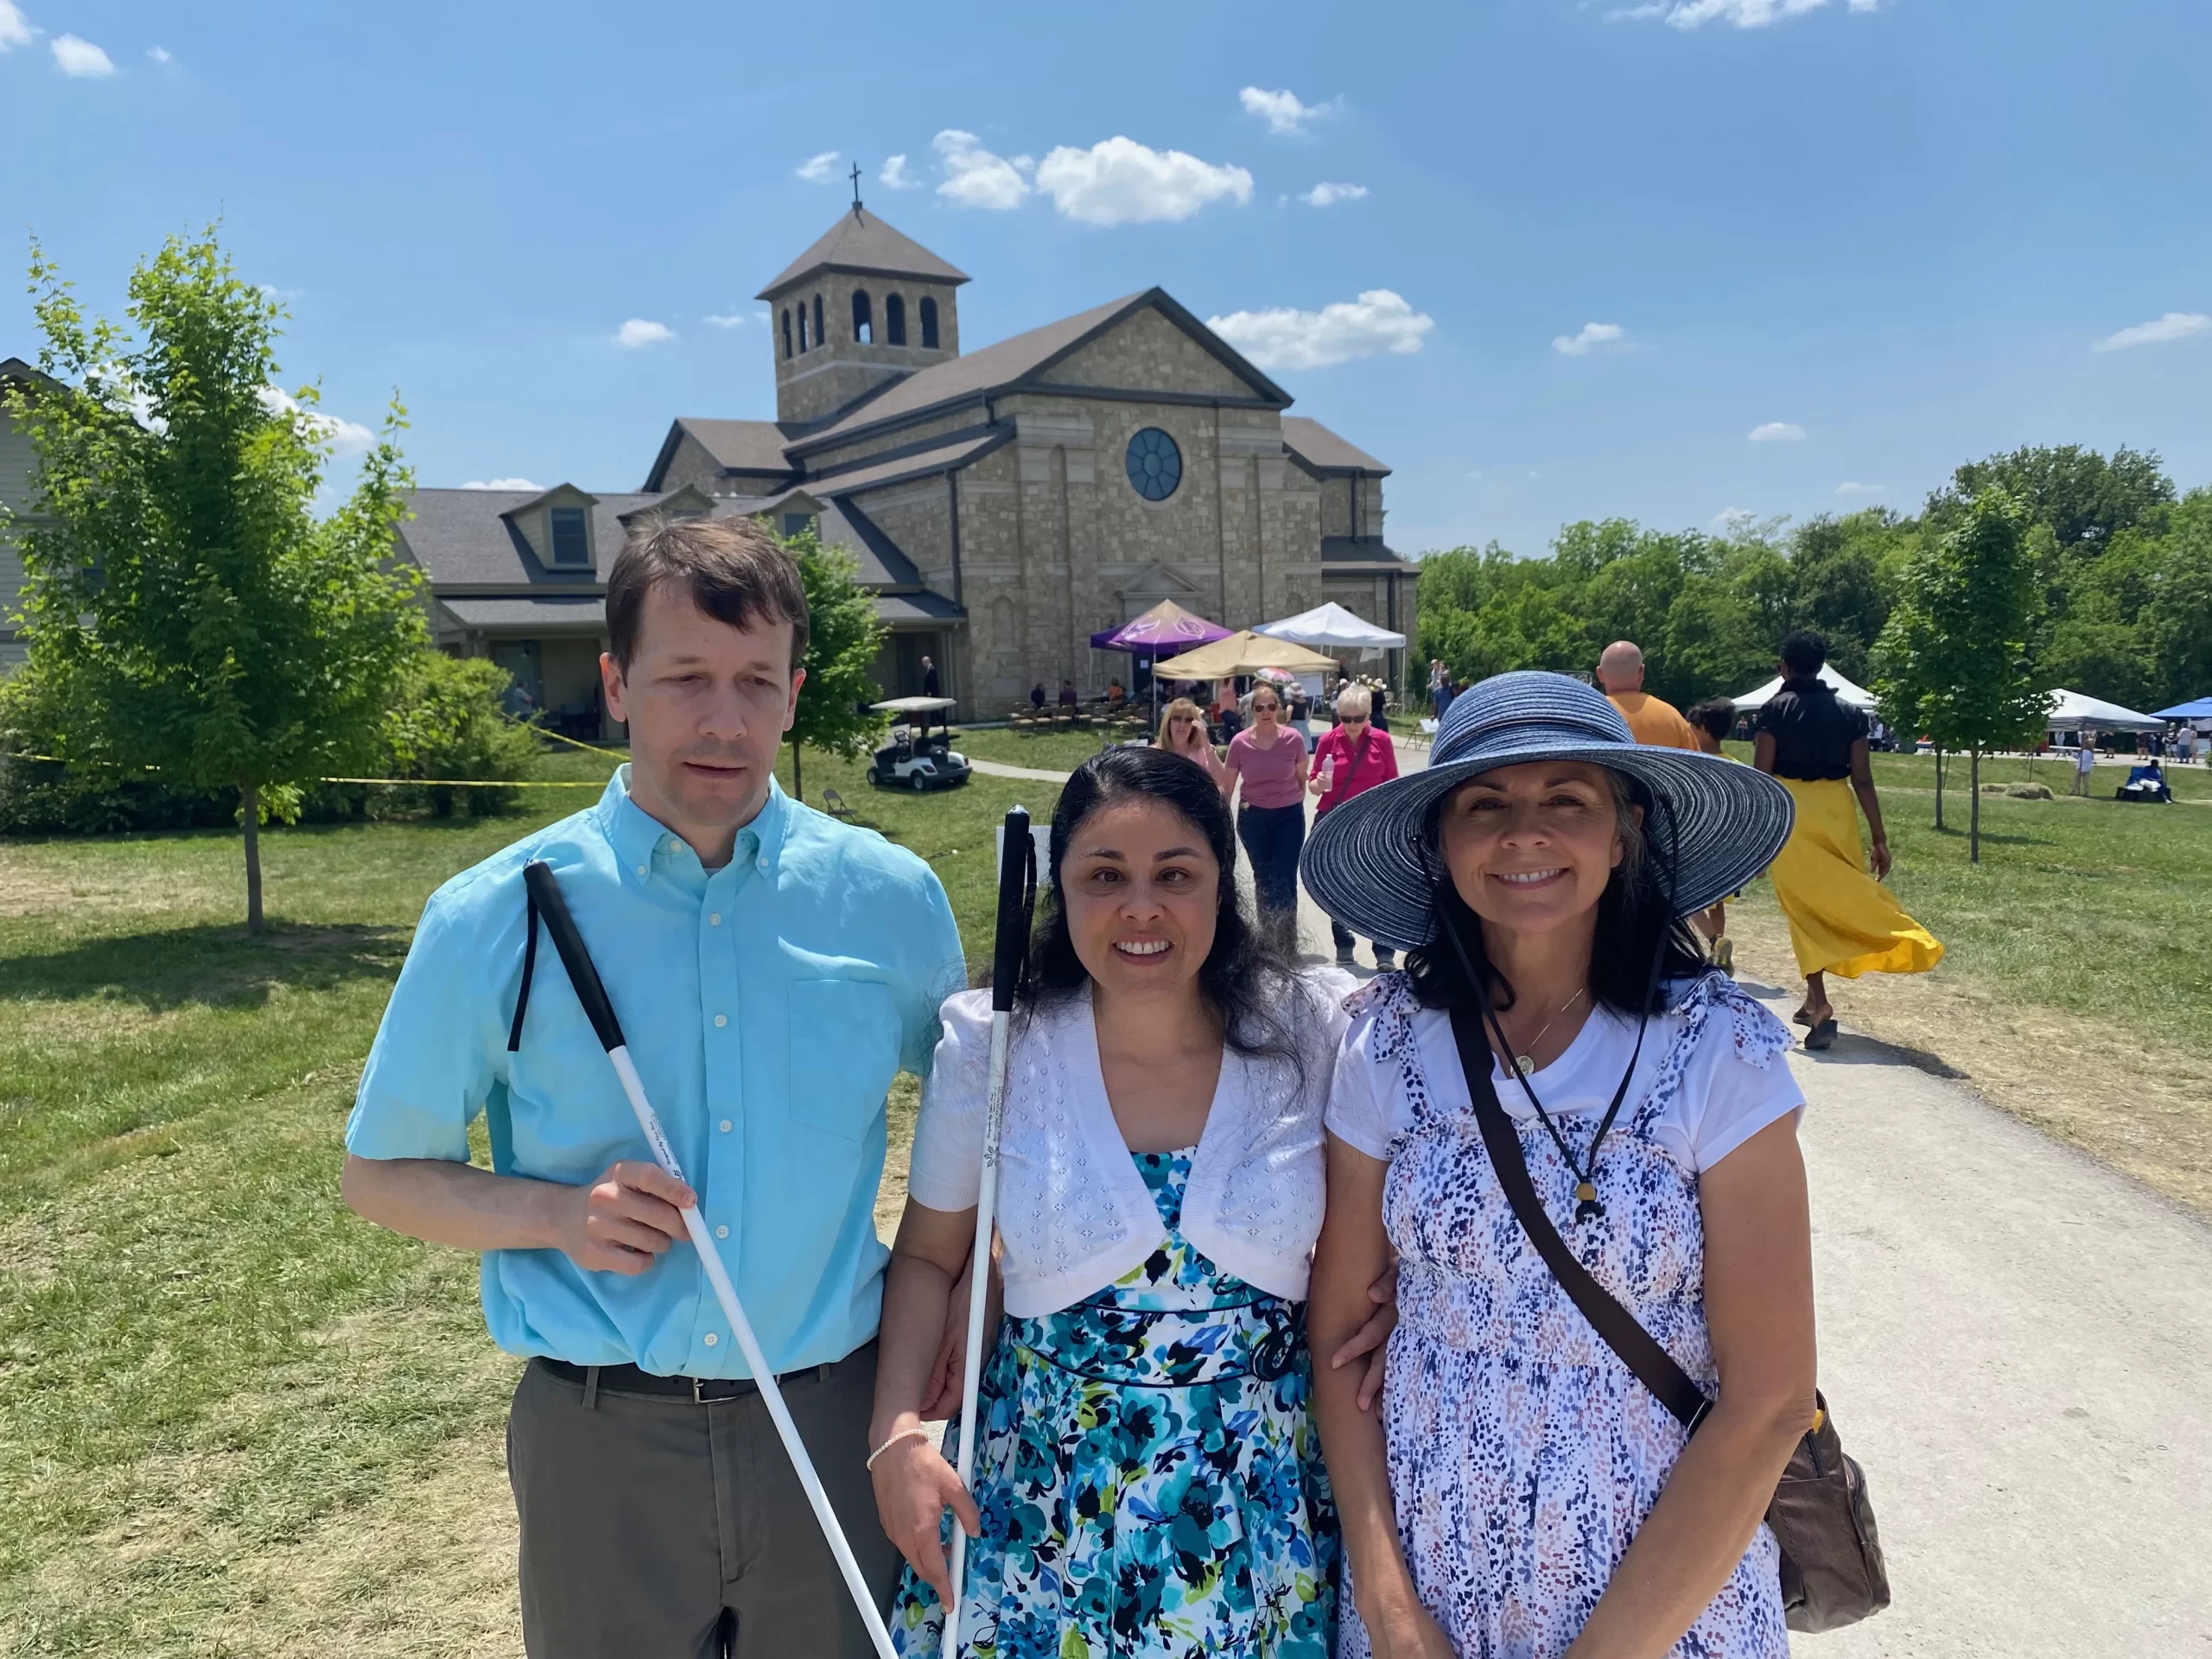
x,y
1832,1569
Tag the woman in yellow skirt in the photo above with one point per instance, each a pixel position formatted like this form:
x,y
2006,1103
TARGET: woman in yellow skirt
x,y
1842,920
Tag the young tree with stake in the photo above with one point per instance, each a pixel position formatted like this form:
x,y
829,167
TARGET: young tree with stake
x,y
191,613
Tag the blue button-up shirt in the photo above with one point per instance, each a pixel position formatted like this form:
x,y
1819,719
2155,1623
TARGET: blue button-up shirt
x,y
767,1006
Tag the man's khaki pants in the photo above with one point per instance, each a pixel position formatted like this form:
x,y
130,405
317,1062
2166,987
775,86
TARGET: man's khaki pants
x,y
659,1527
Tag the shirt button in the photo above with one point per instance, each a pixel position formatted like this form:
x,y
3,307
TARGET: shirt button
x,y
641,869
725,1125
723,1231
721,1020
764,863
711,1339
714,918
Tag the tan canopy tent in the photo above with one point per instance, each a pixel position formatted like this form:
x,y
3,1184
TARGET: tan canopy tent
x,y
1240,653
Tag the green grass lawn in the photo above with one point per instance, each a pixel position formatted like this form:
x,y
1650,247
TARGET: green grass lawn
x,y
2090,907
234,1419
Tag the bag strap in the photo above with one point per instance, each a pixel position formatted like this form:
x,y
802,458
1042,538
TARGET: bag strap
x,y
1636,1347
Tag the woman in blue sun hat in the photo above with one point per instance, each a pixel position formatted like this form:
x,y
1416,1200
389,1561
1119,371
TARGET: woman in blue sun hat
x,y
1519,1491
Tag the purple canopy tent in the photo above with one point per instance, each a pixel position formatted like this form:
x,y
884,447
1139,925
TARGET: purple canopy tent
x,y
1165,630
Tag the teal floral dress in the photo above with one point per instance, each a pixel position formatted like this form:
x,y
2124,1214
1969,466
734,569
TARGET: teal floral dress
x,y
1149,1477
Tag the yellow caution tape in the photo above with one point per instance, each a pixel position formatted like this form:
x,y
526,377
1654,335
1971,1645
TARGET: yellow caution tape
x,y
595,748
465,783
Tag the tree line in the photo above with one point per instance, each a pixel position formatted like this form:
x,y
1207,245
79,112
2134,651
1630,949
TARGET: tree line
x,y
2117,600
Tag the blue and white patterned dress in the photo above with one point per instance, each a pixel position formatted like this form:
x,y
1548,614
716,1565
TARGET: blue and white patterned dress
x,y
1523,1455
1149,1477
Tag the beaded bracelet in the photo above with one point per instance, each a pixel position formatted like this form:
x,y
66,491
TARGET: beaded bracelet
x,y
918,1431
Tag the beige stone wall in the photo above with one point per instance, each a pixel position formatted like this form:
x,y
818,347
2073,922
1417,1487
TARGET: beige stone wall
x,y
918,517
1351,506
692,463
1148,352
838,368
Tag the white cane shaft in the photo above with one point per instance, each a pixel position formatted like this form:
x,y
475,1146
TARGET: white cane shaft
x,y
755,1362
971,1376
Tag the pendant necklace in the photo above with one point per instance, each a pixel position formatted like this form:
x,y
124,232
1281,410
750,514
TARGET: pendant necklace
x,y
1525,1062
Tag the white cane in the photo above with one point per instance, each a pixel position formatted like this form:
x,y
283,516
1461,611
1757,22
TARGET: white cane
x,y
553,910
1010,949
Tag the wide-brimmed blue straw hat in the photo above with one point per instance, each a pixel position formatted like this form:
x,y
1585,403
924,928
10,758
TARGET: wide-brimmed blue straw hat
x,y
1712,822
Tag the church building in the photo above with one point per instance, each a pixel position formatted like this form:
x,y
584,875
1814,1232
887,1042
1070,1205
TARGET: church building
x,y
1004,504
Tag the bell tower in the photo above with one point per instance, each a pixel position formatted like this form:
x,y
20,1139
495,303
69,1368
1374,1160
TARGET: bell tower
x,y
864,306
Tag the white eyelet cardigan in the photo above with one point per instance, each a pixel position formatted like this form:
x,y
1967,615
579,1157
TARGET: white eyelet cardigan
x,y
1074,1213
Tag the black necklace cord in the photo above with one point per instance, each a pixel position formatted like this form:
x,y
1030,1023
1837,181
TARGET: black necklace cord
x,y
1587,1205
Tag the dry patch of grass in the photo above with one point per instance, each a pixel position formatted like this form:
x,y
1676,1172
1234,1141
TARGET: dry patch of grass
x,y
2141,1105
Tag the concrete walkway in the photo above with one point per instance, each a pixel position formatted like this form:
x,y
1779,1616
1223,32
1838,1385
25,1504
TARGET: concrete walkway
x,y
2017,1344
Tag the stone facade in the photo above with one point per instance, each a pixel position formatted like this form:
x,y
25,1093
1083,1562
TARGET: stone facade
x,y
838,368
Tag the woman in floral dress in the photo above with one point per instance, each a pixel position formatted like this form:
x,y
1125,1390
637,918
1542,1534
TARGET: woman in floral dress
x,y
1147,1478
1523,1496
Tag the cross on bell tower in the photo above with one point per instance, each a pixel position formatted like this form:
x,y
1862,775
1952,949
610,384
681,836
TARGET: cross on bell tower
x,y
856,189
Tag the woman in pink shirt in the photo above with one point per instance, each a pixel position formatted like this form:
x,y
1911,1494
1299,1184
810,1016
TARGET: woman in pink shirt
x,y
1353,756
1270,760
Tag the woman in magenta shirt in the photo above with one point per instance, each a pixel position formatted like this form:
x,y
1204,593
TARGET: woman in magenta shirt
x,y
1353,756
1270,760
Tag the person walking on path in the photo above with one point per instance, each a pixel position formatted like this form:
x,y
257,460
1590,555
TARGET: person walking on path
x,y
1147,1481
1183,731
1521,1494
1269,759
1351,759
735,927
1620,676
1710,724
2085,761
1841,919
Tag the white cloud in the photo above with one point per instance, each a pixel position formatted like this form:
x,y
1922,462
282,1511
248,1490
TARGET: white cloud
x,y
735,320
2163,331
500,484
1281,111
1778,432
1120,182
974,177
820,169
1328,196
1285,339
1743,13
158,53
896,176
346,438
1593,336
1734,519
1865,5
638,332
1853,486
82,57
15,28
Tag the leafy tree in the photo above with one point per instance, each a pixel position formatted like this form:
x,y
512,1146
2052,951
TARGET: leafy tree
x,y
1954,657
184,606
843,636
1837,583
446,722
2084,498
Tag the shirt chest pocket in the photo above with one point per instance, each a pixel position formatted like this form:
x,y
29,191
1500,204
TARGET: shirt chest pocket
x,y
844,1051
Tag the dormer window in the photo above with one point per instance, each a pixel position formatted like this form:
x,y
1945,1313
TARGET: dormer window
x,y
571,539
929,323
795,524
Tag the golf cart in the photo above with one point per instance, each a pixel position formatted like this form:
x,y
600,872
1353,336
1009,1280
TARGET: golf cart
x,y
913,758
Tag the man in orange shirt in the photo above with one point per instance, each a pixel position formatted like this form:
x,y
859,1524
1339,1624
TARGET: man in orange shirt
x,y
1620,676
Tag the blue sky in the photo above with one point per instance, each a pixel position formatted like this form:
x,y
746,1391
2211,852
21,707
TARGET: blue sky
x,y
1601,245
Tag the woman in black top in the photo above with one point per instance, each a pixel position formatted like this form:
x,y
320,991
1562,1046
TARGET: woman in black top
x,y
1841,919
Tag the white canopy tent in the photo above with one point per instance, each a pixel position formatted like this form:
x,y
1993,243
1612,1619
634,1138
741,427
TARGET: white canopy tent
x,y
1331,627
1857,696
2071,711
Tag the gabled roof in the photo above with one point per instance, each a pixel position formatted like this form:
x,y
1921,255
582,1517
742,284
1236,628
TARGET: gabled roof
x,y
1322,450
13,368
468,537
1025,357
871,473
861,243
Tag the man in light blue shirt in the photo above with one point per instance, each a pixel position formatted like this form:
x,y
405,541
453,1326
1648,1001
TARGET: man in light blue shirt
x,y
773,970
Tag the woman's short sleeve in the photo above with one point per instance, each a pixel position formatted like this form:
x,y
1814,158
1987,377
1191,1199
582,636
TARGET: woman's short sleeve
x,y
1356,1116
1739,1082
947,1169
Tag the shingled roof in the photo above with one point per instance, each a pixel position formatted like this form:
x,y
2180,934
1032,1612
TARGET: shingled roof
x,y
861,243
1322,450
